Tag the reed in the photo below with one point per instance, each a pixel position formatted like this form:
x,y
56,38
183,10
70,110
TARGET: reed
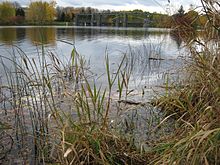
x,y
195,102
38,88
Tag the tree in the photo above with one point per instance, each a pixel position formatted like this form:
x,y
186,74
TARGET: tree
x,y
192,18
18,9
68,14
41,11
7,12
178,18
63,16
19,12
185,24
137,11
181,11
59,12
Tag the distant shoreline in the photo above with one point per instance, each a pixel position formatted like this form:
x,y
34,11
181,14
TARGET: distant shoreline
x,y
155,29
66,24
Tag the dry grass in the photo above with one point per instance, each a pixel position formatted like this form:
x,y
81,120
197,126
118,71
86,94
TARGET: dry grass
x,y
88,144
196,103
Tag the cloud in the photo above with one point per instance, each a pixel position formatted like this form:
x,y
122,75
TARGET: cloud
x,y
147,5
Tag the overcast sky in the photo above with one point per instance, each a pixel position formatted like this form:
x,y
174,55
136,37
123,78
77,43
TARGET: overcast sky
x,y
146,5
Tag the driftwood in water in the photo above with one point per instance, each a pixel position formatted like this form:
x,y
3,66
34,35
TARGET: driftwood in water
x,y
130,102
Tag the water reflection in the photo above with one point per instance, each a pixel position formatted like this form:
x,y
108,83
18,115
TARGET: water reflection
x,y
49,35
135,34
63,33
177,39
42,35
21,34
8,35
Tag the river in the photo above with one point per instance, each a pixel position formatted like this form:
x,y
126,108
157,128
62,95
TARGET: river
x,y
93,43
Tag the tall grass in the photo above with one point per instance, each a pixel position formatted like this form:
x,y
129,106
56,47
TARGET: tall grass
x,y
89,140
60,115
195,102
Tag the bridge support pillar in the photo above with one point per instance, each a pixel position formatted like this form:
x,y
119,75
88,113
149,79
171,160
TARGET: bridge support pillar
x,y
125,20
99,20
117,20
76,20
92,20
146,21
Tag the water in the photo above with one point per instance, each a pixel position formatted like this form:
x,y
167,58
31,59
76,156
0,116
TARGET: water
x,y
152,53
94,43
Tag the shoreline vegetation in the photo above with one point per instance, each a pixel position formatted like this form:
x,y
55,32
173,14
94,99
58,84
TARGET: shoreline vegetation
x,y
12,13
60,116
55,23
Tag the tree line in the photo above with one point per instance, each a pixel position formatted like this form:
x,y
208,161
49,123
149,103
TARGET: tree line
x,y
40,12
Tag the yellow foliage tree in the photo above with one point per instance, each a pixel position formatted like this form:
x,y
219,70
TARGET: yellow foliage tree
x,y
41,12
7,11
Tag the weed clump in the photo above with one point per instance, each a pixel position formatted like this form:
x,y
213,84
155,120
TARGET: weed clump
x,y
86,144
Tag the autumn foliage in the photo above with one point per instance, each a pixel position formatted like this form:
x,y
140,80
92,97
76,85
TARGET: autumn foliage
x,y
41,12
7,12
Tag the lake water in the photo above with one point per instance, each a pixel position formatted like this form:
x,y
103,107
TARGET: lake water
x,y
152,54
94,43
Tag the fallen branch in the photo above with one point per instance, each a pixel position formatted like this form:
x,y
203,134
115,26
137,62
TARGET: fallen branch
x,y
131,102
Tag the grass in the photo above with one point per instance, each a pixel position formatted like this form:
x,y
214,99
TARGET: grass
x,y
195,104
36,89
90,144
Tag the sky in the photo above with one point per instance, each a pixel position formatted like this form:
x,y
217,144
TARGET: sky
x,y
160,6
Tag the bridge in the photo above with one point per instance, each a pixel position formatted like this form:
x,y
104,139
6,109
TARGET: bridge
x,y
112,19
